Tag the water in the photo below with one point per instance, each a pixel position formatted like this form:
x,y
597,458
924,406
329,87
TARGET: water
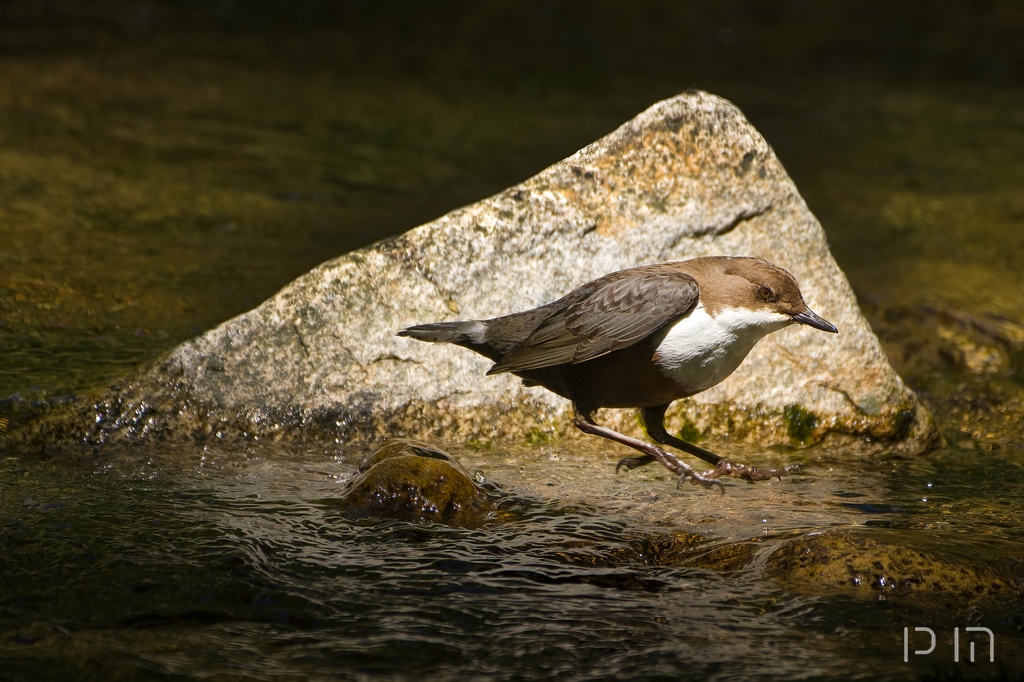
x,y
166,166
236,564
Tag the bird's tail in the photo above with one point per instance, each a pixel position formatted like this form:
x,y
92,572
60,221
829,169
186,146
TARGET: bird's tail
x,y
469,333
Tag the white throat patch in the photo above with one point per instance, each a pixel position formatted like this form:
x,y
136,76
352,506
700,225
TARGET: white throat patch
x,y
699,351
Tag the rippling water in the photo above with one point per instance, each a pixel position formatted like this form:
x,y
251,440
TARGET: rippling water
x,y
236,564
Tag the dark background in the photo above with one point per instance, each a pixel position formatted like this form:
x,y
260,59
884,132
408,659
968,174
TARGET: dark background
x,y
166,165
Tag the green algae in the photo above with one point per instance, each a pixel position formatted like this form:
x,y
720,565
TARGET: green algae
x,y
689,431
538,436
800,423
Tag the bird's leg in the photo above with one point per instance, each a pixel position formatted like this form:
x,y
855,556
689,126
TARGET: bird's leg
x,y
654,422
584,421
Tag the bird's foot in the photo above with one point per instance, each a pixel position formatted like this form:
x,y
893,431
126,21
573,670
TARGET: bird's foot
x,y
749,473
685,472
673,464
700,479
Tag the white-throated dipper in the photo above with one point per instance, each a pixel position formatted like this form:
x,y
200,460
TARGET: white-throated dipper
x,y
642,337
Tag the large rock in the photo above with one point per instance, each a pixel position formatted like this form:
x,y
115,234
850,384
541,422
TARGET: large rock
x,y
688,177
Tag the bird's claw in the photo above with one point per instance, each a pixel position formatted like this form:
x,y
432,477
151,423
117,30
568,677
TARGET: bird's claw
x,y
673,464
699,479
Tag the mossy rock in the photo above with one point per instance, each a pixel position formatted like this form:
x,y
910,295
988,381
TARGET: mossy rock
x,y
863,566
410,480
647,550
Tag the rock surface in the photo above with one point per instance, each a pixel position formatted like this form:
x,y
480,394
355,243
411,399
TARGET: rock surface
x,y
865,566
688,177
821,563
409,480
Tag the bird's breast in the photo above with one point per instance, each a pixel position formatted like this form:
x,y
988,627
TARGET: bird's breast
x,y
699,350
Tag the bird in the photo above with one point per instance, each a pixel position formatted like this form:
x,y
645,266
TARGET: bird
x,y
643,337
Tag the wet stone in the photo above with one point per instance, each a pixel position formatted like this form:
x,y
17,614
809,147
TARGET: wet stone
x,y
653,550
864,566
831,563
970,366
413,481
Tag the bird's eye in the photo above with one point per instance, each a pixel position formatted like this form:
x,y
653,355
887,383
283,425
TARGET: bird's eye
x,y
766,293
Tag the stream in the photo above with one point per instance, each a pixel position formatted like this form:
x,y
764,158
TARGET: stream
x,y
164,167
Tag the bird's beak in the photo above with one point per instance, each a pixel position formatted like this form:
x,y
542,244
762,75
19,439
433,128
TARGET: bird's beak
x,y
812,319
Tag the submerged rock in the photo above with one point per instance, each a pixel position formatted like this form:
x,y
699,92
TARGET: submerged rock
x,y
854,564
864,566
406,479
688,177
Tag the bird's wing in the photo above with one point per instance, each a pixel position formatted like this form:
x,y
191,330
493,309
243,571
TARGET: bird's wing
x,y
608,314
